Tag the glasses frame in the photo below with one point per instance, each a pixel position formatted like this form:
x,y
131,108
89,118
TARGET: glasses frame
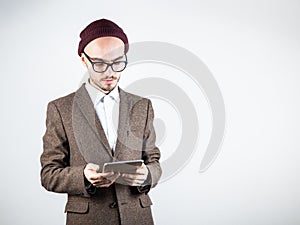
x,y
107,64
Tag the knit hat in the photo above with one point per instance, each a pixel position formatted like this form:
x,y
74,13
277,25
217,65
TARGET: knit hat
x,y
101,28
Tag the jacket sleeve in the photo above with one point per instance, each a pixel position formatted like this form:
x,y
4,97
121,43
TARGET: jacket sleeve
x,y
151,154
56,174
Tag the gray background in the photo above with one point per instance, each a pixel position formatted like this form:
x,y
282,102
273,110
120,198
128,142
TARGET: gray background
x,y
251,47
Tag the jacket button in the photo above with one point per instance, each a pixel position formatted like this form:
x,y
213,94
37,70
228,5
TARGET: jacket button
x,y
113,205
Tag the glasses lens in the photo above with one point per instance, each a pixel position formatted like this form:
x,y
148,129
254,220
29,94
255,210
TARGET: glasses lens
x,y
119,66
100,67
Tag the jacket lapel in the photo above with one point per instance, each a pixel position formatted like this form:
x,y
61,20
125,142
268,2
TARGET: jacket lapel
x,y
124,113
86,106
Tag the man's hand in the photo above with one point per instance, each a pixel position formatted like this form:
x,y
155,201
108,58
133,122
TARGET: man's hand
x,y
137,178
91,172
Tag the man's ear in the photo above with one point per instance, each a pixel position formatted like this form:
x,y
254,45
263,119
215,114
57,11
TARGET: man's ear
x,y
83,60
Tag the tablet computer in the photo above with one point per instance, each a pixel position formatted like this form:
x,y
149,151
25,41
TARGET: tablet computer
x,y
122,166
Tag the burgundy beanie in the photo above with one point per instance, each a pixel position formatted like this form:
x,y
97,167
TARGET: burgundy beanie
x,y
101,28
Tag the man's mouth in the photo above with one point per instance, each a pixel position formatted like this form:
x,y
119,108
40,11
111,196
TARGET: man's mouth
x,y
109,81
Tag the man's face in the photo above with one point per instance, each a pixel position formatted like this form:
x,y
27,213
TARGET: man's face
x,y
108,50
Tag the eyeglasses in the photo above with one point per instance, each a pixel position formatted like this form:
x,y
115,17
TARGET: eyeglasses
x,y
101,67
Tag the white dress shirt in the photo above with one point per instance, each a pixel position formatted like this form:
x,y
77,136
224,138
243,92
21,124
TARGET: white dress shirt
x,y
107,109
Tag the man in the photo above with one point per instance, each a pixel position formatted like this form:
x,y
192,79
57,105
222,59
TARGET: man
x,y
80,137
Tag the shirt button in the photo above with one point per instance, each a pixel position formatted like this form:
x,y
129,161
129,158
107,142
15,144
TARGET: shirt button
x,y
113,205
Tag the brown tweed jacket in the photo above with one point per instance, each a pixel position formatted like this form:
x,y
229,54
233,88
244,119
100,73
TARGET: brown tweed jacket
x,y
74,137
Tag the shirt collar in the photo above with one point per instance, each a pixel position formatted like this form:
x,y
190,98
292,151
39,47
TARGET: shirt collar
x,y
115,94
97,95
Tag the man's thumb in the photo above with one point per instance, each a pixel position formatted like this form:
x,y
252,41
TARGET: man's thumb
x,y
92,166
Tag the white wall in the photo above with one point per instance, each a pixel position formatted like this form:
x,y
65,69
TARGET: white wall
x,y
251,47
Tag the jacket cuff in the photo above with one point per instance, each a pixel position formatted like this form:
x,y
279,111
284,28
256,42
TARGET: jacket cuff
x,y
145,187
89,187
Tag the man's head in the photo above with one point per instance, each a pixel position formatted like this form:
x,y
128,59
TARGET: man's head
x,y
102,48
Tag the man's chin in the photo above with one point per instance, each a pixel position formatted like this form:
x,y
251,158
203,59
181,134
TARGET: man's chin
x,y
103,86
108,87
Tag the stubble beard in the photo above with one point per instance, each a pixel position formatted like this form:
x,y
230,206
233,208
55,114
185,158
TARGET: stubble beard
x,y
100,87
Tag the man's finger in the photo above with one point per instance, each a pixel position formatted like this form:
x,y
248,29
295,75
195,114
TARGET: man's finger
x,y
100,182
107,174
133,182
141,171
94,177
134,176
112,178
100,176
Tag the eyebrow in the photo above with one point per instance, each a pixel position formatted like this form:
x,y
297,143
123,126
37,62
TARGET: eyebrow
x,y
99,59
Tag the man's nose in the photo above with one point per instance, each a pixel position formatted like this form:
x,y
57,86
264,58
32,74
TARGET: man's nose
x,y
109,72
